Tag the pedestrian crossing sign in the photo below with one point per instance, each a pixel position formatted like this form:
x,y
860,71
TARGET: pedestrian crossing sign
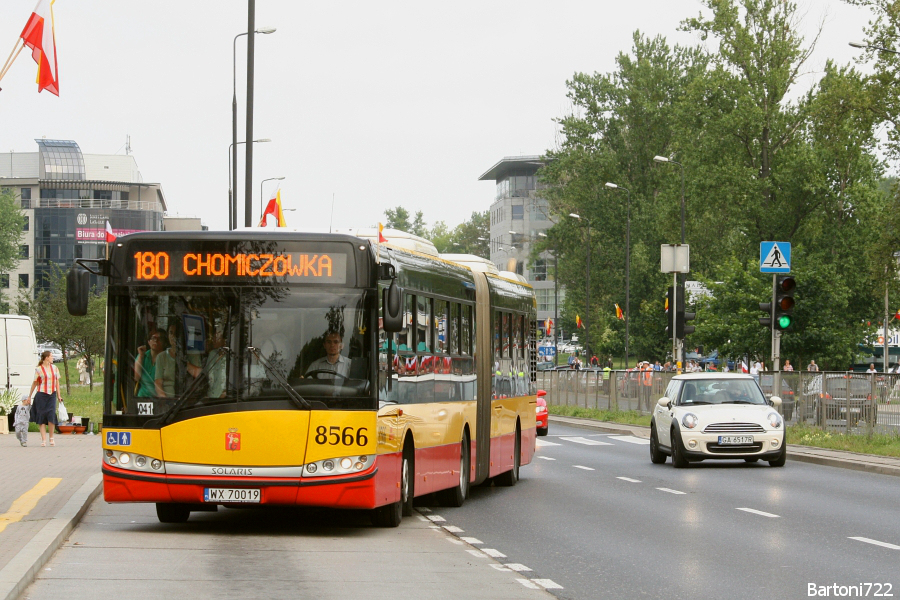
x,y
775,257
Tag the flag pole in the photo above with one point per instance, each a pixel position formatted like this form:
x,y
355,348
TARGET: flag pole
x,y
11,59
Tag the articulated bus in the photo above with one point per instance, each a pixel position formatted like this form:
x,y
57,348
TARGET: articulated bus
x,y
278,367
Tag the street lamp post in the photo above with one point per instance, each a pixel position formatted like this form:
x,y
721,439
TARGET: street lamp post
x,y
555,303
262,199
232,153
663,159
232,179
613,186
587,289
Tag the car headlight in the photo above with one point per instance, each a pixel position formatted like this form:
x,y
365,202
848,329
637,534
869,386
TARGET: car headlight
x,y
690,420
774,420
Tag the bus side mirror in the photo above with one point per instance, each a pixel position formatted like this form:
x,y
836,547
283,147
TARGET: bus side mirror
x,y
392,317
78,284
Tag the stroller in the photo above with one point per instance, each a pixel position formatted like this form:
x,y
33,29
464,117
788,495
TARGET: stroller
x,y
23,416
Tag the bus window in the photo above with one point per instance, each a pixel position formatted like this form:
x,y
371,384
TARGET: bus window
x,y
453,328
442,321
406,338
498,335
515,335
423,324
465,331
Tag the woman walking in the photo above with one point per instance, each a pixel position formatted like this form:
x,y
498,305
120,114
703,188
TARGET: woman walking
x,y
46,382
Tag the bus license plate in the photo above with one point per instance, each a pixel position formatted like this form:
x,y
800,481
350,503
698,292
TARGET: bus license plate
x,y
725,440
230,495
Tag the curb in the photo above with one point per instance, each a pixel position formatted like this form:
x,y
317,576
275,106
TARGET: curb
x,y
808,454
21,571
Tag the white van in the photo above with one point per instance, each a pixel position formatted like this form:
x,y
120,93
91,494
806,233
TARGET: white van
x,y
18,353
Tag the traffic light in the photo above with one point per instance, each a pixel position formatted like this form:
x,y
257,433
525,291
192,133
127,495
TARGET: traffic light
x,y
681,315
766,321
670,310
784,301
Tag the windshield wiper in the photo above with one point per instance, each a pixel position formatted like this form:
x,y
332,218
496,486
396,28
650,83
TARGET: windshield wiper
x,y
740,402
299,400
167,416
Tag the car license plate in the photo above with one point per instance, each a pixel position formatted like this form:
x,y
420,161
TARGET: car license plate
x,y
231,495
735,439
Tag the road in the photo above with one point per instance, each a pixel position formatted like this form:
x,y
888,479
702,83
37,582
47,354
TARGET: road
x,y
591,518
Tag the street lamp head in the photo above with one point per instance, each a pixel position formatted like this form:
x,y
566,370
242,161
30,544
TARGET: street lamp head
x,y
575,216
511,232
266,30
542,234
278,178
660,159
612,186
858,45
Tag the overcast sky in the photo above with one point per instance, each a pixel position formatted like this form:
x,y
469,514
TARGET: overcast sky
x,y
373,103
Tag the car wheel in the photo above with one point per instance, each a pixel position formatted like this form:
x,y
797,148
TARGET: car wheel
x,y
679,461
782,458
657,456
455,496
542,431
510,478
172,513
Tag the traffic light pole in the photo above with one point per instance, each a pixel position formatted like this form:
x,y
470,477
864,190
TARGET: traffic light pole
x,y
776,345
674,308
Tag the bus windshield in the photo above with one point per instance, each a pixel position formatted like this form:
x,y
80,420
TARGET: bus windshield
x,y
205,347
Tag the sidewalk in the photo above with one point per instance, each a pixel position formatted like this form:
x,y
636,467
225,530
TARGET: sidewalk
x,y
26,544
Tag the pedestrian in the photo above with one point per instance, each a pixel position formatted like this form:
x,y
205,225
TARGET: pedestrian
x,y
145,365
46,382
787,365
23,417
812,366
871,368
754,370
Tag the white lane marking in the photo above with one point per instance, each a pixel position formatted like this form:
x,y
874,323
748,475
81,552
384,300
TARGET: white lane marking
x,y
453,540
759,512
548,584
477,553
437,519
584,468
542,443
585,441
499,567
546,458
517,567
471,540
876,542
529,584
423,518
493,553
671,491
453,529
630,439
423,509
629,479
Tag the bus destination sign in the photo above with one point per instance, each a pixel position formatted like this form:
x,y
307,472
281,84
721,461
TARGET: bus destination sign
x,y
237,266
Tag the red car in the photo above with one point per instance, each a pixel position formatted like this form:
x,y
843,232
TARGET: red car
x,y
543,418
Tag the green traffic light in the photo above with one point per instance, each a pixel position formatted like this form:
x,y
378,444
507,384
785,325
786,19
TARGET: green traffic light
x,y
784,321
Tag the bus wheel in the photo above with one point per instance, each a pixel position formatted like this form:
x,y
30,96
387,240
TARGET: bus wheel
x,y
407,481
172,513
510,478
455,496
388,516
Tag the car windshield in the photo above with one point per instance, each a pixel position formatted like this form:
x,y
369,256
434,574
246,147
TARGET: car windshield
x,y
721,391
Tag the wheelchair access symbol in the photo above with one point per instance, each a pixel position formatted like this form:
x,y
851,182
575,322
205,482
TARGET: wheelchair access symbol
x,y
118,438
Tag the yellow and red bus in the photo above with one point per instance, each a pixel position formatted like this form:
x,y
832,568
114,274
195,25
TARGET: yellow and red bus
x,y
290,368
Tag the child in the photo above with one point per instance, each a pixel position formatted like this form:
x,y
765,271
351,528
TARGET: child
x,y
23,416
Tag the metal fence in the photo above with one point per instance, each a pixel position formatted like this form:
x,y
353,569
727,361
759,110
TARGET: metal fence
x,y
854,403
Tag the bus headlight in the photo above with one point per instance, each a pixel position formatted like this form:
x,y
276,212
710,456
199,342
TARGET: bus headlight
x,y
138,462
338,466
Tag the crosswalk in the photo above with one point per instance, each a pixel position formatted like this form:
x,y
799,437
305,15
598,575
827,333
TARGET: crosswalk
x,y
610,440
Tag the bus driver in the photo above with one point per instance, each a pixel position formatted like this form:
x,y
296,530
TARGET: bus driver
x,y
333,361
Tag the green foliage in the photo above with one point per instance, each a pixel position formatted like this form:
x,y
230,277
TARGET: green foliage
x,y
756,167
11,222
469,237
398,218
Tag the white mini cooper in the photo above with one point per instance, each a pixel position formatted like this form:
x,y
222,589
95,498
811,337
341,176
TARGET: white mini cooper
x,y
716,416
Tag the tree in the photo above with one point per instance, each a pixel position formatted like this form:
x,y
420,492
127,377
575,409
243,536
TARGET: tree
x,y
12,220
398,218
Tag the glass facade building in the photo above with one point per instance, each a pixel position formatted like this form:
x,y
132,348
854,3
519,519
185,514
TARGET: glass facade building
x,y
67,198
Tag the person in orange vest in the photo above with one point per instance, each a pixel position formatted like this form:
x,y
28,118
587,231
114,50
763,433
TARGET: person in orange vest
x,y
647,382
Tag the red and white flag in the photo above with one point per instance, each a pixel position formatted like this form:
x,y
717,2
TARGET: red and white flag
x,y
744,368
110,236
274,209
40,37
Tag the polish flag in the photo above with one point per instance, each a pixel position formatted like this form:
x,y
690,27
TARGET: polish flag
x,y
744,368
39,36
381,238
274,209
110,236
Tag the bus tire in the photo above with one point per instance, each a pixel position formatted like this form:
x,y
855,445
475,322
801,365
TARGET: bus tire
x,y
408,479
509,478
456,495
389,515
172,513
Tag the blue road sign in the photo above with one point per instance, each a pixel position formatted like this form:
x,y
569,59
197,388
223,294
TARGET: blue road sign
x,y
775,257
546,351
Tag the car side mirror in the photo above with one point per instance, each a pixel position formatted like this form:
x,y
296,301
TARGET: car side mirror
x,y
775,401
664,402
